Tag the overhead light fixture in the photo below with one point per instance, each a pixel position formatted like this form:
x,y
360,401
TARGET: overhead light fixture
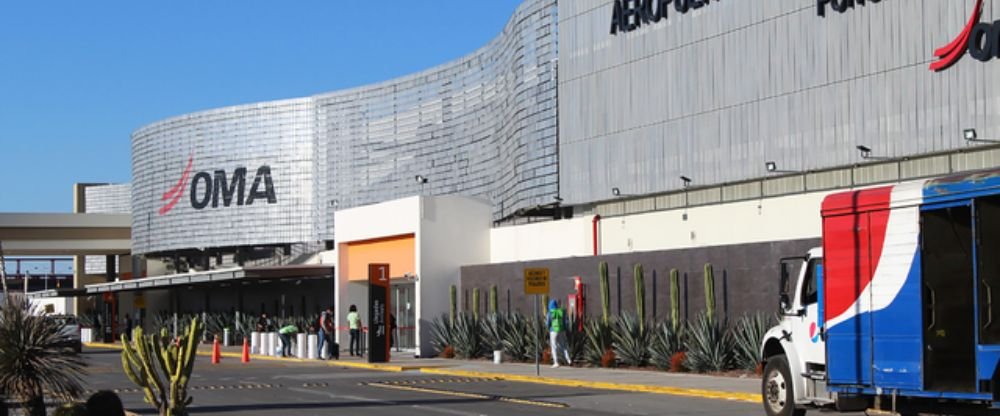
x,y
971,135
421,179
687,181
866,152
616,192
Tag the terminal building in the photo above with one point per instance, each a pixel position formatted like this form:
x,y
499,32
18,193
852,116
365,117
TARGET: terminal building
x,y
664,133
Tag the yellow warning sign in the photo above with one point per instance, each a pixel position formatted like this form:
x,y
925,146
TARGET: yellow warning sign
x,y
536,281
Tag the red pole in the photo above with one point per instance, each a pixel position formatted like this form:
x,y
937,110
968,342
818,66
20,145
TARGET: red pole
x,y
597,220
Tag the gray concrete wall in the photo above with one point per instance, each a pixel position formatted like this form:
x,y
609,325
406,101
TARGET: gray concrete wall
x,y
746,279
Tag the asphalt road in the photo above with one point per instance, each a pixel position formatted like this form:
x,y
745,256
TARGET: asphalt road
x,y
278,388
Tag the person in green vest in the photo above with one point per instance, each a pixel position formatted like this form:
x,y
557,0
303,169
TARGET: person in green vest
x,y
354,323
286,333
555,320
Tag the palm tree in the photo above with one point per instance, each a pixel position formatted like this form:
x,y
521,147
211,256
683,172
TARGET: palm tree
x,y
33,358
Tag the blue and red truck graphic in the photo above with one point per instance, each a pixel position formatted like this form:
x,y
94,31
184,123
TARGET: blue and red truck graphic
x,y
894,313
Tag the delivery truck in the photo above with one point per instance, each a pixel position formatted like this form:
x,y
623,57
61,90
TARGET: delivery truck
x,y
894,313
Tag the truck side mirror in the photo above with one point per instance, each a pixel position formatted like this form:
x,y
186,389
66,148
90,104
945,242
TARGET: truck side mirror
x,y
783,301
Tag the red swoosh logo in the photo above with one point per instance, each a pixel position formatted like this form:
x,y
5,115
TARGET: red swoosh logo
x,y
177,191
950,53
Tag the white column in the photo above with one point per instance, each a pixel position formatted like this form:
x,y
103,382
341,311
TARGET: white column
x,y
312,340
300,348
255,342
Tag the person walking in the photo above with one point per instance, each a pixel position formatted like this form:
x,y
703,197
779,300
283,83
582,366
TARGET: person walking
x,y
286,333
326,334
555,320
354,323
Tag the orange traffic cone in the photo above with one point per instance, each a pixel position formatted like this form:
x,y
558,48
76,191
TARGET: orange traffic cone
x,y
216,354
246,351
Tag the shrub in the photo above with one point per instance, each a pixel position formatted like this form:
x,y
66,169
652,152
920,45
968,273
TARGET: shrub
x,y
599,341
709,347
576,340
665,343
631,341
747,336
441,337
517,341
494,330
467,337
34,361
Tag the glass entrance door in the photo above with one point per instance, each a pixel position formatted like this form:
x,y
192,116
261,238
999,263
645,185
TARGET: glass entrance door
x,y
404,310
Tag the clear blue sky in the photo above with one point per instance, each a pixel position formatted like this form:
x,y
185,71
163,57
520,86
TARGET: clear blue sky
x,y
77,77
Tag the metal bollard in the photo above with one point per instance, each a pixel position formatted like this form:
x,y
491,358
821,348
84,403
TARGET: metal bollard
x,y
300,348
255,343
225,337
313,339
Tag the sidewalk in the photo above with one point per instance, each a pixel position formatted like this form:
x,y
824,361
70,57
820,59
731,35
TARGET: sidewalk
x,y
657,382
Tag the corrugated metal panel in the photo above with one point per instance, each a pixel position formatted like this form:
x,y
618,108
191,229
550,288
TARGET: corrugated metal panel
x,y
741,191
976,160
715,93
704,196
929,166
883,172
817,181
784,186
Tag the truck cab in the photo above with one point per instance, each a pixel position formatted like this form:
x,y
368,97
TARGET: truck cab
x,y
793,352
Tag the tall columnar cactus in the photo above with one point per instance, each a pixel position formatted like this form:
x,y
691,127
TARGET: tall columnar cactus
x,y
675,300
640,296
709,292
493,299
475,304
605,291
162,367
454,306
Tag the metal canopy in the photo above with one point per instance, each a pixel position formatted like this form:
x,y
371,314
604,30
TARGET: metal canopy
x,y
58,293
214,276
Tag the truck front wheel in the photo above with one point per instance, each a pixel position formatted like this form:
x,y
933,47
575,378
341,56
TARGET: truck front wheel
x,y
776,388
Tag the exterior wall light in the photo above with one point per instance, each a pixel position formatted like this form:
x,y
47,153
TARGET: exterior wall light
x,y
687,181
616,192
771,166
421,179
866,152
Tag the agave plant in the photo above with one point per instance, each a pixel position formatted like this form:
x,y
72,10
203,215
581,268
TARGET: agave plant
x,y
664,343
748,333
631,341
467,337
710,345
33,358
576,339
494,330
441,334
517,341
599,341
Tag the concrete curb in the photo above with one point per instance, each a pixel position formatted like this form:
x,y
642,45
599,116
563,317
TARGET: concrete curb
x,y
600,385
329,363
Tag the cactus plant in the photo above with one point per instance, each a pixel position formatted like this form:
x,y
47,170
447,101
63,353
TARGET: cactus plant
x,y
454,306
493,299
605,291
162,368
475,304
675,300
640,296
709,293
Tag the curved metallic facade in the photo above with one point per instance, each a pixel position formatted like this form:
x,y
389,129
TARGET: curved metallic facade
x,y
484,125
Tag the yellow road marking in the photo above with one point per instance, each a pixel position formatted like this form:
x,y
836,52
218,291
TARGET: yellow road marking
x,y
675,391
